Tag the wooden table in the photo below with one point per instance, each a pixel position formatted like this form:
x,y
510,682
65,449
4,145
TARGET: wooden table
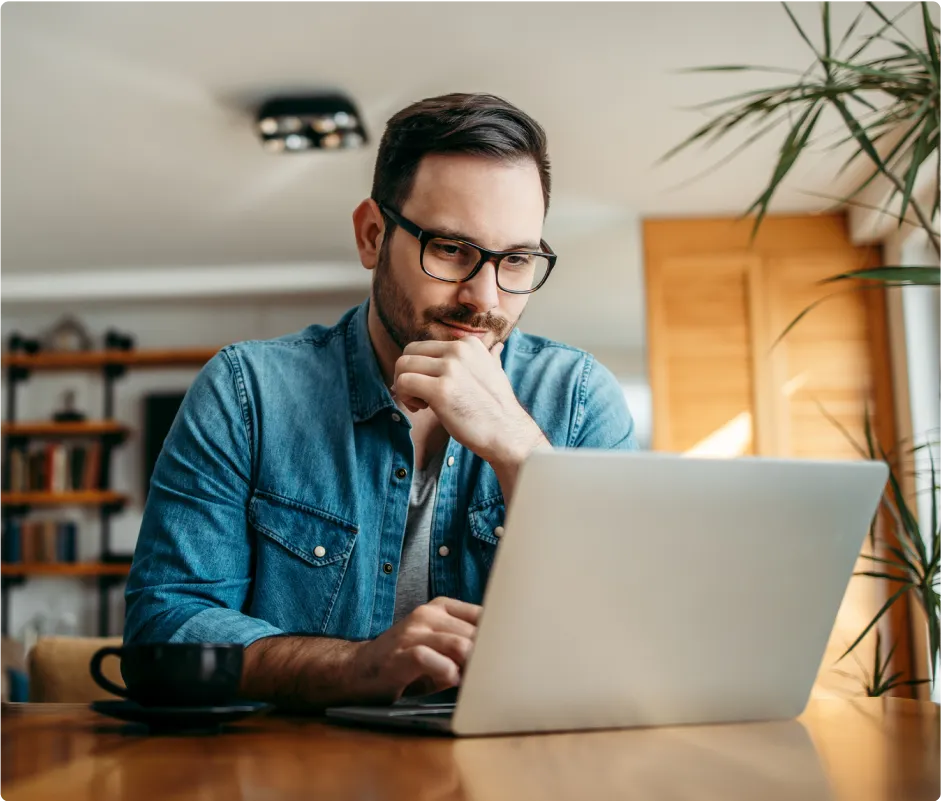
x,y
883,750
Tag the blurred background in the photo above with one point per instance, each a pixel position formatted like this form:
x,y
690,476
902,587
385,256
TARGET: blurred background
x,y
140,208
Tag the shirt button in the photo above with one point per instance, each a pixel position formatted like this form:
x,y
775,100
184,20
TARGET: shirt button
x,y
498,532
320,551
450,461
443,550
396,418
401,472
387,568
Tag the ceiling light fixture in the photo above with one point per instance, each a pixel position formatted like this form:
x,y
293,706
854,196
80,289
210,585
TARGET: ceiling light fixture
x,y
327,121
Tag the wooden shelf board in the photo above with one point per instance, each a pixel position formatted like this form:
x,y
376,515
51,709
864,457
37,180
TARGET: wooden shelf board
x,y
85,498
48,428
185,357
64,569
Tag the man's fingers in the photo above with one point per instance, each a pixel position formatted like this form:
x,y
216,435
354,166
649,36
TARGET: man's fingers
x,y
410,387
497,350
449,623
459,609
410,403
453,646
427,663
431,347
415,363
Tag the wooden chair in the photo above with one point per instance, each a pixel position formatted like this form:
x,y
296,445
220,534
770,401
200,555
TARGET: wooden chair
x,y
12,658
58,670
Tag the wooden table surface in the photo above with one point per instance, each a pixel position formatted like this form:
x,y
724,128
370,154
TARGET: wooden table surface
x,y
878,749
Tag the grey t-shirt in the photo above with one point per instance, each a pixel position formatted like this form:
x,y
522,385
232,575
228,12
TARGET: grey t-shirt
x,y
413,587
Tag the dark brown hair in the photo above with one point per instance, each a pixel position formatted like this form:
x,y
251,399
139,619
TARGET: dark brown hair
x,y
472,124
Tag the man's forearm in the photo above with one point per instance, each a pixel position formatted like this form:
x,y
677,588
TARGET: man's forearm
x,y
299,672
508,465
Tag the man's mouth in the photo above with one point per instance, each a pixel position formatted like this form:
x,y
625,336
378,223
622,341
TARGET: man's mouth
x,y
465,331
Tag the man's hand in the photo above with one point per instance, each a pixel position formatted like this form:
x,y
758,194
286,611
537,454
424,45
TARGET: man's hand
x,y
464,385
424,653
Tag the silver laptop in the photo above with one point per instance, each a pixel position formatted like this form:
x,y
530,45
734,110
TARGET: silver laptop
x,y
648,589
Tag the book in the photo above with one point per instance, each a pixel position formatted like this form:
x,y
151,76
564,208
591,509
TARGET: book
x,y
51,541
16,471
58,462
77,456
66,542
36,471
92,467
12,543
28,550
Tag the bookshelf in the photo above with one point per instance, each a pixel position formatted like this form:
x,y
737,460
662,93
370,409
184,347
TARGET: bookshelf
x,y
82,498
49,430
73,569
93,360
111,568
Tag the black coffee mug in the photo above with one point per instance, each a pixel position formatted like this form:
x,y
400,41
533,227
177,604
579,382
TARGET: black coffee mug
x,y
175,674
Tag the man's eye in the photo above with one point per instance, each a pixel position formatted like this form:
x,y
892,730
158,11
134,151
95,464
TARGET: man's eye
x,y
448,249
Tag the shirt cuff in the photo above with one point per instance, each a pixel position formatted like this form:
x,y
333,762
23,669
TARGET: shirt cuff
x,y
224,626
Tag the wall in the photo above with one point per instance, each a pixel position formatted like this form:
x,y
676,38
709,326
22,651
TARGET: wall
x,y
922,327
600,317
595,298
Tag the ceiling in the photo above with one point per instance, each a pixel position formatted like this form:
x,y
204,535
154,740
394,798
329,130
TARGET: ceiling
x,y
127,139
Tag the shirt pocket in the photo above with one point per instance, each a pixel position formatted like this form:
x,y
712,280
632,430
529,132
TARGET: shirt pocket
x,y
302,556
482,521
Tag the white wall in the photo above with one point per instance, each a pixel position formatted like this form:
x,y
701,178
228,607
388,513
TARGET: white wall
x,y
922,330
595,297
604,317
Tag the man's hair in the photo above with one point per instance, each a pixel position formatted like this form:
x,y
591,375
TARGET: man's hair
x,y
471,124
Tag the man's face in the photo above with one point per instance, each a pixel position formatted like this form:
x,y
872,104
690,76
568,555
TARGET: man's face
x,y
493,204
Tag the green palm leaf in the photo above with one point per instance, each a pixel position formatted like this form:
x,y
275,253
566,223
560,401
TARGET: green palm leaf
x,y
893,276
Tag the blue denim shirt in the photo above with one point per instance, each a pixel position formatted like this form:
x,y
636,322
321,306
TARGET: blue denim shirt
x,y
278,503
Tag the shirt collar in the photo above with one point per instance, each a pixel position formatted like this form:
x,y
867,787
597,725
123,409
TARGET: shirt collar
x,y
368,392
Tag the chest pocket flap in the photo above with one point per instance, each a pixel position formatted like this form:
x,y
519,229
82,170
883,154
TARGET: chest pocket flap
x,y
317,537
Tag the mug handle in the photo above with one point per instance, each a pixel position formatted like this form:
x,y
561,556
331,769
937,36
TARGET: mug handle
x,y
96,674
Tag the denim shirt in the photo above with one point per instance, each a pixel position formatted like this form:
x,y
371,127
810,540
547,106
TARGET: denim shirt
x,y
278,502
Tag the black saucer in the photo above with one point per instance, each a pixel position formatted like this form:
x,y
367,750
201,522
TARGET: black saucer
x,y
180,718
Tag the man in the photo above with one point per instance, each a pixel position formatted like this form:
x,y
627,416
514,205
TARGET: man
x,y
333,499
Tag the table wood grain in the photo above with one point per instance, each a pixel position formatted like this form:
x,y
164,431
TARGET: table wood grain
x,y
857,750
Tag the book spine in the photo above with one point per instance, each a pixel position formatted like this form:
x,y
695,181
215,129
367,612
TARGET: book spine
x,y
49,467
28,541
16,481
77,464
67,542
92,467
35,479
12,543
49,541
59,468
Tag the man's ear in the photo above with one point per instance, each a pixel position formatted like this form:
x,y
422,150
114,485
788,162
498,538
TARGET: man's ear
x,y
369,229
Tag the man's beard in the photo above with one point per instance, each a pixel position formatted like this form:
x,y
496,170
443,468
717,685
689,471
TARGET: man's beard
x,y
404,324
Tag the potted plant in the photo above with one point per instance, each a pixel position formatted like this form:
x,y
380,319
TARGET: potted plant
x,y
884,86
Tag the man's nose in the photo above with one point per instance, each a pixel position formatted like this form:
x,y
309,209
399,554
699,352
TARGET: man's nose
x,y
481,293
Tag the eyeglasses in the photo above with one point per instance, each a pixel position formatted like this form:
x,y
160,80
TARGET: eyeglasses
x,y
519,272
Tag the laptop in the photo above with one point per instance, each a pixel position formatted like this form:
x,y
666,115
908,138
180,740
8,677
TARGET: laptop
x,y
649,589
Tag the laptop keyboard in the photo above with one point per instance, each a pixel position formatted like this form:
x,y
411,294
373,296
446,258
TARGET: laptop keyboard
x,y
436,710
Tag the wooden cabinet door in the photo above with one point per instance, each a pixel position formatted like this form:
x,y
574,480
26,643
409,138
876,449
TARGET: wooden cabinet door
x,y
717,301
822,369
699,352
